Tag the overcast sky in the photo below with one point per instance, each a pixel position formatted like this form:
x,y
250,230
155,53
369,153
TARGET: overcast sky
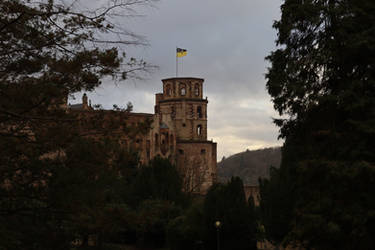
x,y
226,44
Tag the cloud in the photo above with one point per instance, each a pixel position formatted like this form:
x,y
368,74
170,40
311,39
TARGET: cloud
x,y
227,42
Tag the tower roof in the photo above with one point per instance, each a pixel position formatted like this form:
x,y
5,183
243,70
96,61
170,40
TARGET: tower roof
x,y
182,78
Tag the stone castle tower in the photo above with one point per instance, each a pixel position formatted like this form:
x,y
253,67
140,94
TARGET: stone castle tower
x,y
181,113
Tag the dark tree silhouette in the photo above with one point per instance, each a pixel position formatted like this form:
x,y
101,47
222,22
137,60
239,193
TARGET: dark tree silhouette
x,y
322,80
48,50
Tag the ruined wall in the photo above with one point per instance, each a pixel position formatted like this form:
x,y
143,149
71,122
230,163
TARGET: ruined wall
x,y
130,130
196,162
252,191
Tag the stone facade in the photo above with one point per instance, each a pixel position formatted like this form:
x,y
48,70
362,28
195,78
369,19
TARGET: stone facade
x,y
252,191
178,132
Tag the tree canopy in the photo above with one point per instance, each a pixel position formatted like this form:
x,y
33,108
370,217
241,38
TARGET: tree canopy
x,y
195,228
54,180
227,203
322,82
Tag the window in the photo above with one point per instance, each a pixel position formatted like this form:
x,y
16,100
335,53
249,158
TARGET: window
x,y
181,151
196,90
199,111
203,151
182,89
199,130
168,90
183,125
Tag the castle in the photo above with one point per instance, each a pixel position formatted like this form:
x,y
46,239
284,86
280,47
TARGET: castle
x,y
178,132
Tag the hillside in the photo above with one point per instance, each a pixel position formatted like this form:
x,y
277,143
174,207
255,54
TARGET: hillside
x,y
249,165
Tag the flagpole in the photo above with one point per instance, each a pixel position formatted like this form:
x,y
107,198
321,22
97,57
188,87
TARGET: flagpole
x,y
176,63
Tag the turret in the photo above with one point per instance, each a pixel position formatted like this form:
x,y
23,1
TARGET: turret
x,y
182,100
84,101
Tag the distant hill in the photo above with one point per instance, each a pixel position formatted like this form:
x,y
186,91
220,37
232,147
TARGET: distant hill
x,y
249,165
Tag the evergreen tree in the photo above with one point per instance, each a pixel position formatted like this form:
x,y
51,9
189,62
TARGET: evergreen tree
x,y
226,203
322,80
276,205
159,180
188,230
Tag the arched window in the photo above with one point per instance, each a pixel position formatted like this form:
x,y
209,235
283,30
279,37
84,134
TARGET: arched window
x,y
182,89
199,112
196,89
199,130
164,147
168,90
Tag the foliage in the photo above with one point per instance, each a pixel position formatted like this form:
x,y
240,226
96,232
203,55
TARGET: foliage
x,y
187,231
321,79
69,201
195,228
250,165
55,181
226,203
276,205
153,218
159,180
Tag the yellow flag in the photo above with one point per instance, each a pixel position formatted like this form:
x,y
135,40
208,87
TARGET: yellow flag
x,y
181,52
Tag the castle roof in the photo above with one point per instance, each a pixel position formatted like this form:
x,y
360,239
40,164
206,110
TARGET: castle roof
x,y
141,114
76,106
182,78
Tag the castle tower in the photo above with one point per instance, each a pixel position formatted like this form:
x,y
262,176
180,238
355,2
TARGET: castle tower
x,y
182,109
182,100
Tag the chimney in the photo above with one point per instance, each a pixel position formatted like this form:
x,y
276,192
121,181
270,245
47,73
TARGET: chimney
x,y
84,101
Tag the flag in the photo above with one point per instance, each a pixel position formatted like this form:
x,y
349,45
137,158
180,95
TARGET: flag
x,y
181,52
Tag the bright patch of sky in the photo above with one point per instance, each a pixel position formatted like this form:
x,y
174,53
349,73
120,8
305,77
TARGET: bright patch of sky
x,y
226,44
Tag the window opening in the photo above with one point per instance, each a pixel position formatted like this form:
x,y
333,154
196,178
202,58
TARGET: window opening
x,y
199,112
196,90
169,91
183,90
199,130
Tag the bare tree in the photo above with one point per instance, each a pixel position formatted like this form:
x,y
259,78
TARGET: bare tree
x,y
192,173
